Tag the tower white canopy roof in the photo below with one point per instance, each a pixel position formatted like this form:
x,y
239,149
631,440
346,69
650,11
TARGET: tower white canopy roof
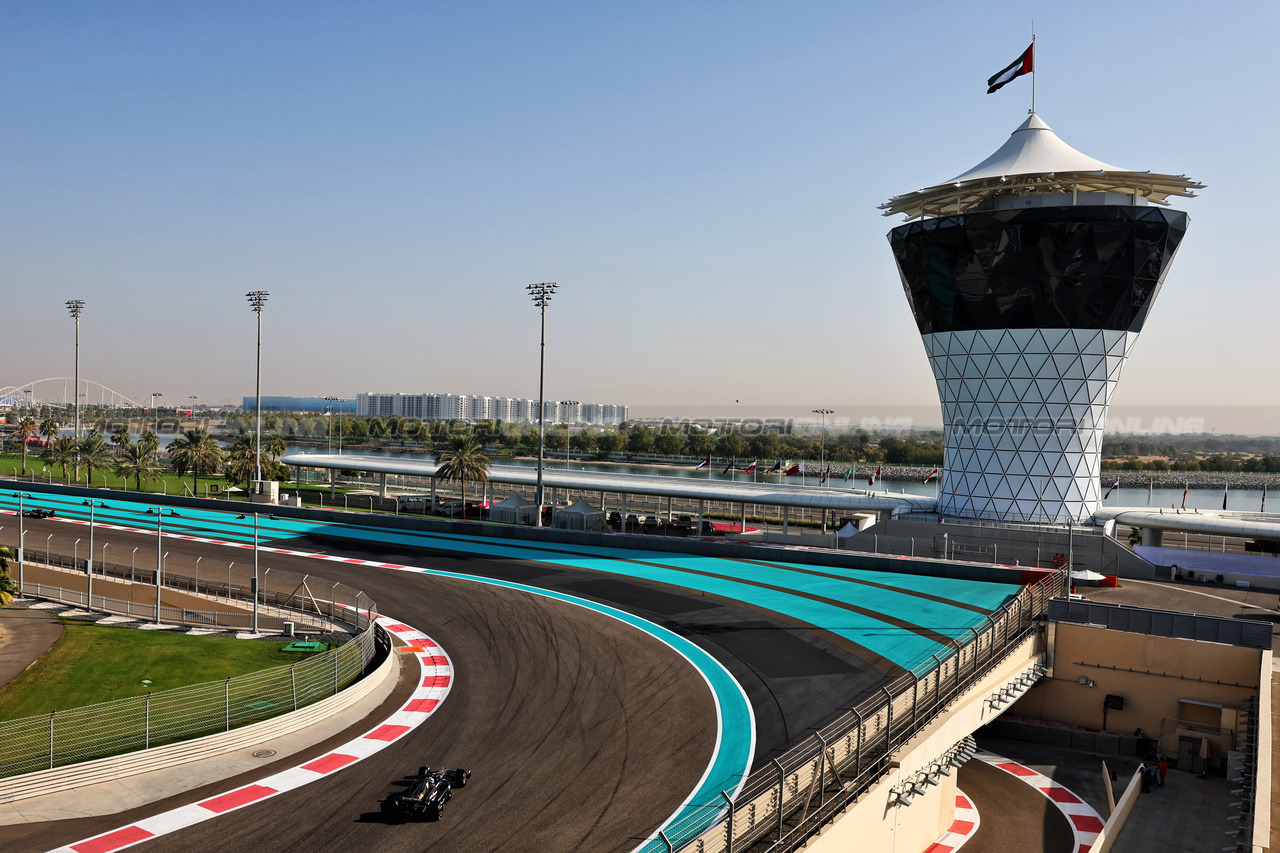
x,y
1035,161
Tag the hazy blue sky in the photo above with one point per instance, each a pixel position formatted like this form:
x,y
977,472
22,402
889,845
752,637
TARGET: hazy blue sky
x,y
700,178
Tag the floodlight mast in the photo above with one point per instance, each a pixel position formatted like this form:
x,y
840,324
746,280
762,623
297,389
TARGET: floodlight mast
x,y
822,463
75,306
541,294
257,300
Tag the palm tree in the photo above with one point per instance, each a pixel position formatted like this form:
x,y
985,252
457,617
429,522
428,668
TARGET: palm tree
x,y
48,429
60,451
196,452
243,459
464,460
120,437
150,439
274,446
26,431
139,461
94,454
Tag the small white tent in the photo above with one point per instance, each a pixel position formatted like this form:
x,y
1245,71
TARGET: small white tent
x,y
580,516
1087,577
513,510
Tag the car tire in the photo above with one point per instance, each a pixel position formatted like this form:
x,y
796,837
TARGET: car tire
x,y
460,778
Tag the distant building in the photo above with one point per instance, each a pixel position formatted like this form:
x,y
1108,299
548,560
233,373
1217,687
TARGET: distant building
x,y
473,408
300,404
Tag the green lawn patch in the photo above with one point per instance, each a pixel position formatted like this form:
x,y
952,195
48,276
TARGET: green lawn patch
x,y
98,663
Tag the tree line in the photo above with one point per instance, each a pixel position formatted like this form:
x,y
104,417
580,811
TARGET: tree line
x,y
196,453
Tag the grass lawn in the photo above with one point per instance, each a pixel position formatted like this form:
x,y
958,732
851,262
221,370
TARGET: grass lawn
x,y
97,663
169,482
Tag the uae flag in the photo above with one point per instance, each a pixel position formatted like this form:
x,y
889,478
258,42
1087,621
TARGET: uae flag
x,y
1115,486
705,463
750,468
775,467
932,474
1024,64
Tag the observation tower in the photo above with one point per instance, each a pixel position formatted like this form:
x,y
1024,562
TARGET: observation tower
x,y
1030,277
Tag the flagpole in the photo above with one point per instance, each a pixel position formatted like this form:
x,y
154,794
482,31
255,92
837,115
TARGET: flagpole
x,y
1033,66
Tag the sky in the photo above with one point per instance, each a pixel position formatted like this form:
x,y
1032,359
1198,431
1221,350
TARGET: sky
x,y
700,179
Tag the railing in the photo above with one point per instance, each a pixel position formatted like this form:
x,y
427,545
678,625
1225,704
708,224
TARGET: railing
x,y
143,722
279,589
782,805
227,620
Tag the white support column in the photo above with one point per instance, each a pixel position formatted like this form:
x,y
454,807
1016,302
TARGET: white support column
x,y
786,519
433,494
382,486
701,505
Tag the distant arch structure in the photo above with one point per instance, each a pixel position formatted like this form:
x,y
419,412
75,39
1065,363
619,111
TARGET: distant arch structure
x,y
57,391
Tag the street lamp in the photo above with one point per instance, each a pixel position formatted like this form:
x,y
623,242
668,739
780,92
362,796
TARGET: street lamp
x,y
159,577
568,431
822,459
157,411
541,294
254,585
21,537
88,563
258,299
75,306
339,401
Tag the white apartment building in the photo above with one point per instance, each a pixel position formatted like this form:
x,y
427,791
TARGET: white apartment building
x,y
464,407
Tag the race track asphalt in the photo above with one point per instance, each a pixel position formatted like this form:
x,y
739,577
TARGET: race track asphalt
x,y
1015,817
583,733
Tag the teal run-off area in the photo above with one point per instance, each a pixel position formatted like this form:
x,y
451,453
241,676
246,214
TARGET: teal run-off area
x,y
902,618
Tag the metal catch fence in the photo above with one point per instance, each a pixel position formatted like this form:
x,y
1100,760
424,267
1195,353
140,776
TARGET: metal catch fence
x,y
278,588
145,611
784,804
125,725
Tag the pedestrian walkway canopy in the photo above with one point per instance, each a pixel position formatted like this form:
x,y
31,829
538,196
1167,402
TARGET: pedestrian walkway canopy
x,y
680,488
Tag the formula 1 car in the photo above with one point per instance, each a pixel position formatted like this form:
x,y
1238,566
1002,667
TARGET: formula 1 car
x,y
38,513
427,794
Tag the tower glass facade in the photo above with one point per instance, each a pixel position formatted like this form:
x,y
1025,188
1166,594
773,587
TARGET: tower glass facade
x,y
1027,317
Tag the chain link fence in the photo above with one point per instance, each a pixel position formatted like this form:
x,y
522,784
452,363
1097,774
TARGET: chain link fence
x,y
126,725
784,804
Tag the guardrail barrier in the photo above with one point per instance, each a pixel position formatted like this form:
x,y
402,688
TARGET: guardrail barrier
x,y
784,804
